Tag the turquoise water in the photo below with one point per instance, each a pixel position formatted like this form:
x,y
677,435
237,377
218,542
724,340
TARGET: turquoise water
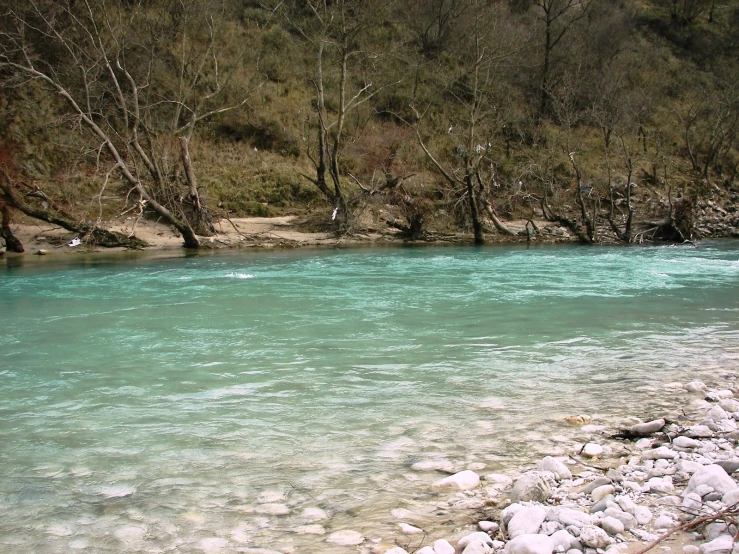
x,y
145,404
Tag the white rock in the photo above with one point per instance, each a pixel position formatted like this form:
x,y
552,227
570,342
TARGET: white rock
x,y
554,465
626,503
717,413
563,541
425,550
662,452
730,405
526,521
530,488
410,529
715,530
569,516
688,466
488,526
477,548
612,526
477,536
699,432
398,550
499,479
345,538
696,386
714,476
661,484
594,537
664,522
550,527
628,520
693,502
464,481
591,450
314,514
731,497
601,492
686,442
690,549
442,546
643,515
648,427
530,544
720,545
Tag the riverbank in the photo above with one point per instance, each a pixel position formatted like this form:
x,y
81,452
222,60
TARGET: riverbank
x,y
39,238
664,484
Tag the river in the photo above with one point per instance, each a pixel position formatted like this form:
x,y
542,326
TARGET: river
x,y
200,402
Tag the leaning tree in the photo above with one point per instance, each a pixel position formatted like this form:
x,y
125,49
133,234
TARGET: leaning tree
x,y
138,77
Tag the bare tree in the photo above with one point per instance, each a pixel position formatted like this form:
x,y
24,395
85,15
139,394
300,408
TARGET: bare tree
x,y
139,78
474,86
344,78
558,17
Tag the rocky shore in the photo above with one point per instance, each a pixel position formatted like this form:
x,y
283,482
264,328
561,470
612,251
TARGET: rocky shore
x,y
621,492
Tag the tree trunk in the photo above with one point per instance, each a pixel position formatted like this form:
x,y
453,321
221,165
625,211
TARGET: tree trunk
x,y
474,210
499,225
12,244
94,235
201,220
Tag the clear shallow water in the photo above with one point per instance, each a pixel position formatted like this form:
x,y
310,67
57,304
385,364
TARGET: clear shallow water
x,y
146,404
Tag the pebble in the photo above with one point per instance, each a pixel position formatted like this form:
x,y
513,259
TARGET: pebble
x,y
551,510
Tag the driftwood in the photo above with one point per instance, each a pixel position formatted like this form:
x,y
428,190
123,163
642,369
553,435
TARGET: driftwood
x,y
52,213
730,511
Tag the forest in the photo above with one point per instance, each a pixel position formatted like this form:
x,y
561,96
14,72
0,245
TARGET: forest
x,y
616,119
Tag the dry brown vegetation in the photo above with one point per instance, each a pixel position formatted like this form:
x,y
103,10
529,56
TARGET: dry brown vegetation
x,y
616,119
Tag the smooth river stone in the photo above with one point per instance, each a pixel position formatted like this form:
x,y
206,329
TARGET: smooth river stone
x,y
714,476
555,466
530,488
526,521
592,450
530,544
314,514
464,481
601,492
442,546
345,538
594,537
477,536
647,428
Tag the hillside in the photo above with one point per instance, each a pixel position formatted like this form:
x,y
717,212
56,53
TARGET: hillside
x,y
615,121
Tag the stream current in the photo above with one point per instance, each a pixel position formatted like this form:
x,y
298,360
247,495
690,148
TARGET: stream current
x,y
202,403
